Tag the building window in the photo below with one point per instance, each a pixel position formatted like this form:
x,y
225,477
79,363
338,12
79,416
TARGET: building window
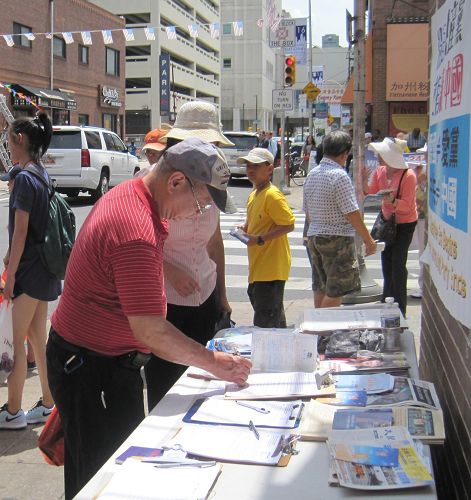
x,y
112,61
227,63
84,120
83,53
227,29
19,40
59,47
110,121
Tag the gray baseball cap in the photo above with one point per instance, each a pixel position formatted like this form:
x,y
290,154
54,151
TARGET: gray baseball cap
x,y
11,174
203,162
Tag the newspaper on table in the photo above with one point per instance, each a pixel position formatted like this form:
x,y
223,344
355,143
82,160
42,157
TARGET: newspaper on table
x,y
358,457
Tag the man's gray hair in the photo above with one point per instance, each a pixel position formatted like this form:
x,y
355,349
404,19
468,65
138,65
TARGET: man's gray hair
x,y
337,143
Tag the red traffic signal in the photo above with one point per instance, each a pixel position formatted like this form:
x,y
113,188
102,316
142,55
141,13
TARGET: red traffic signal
x,y
290,70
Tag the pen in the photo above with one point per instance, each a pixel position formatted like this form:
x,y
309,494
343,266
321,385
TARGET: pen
x,y
169,465
254,429
252,407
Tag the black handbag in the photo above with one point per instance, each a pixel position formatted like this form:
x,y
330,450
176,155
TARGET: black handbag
x,y
385,229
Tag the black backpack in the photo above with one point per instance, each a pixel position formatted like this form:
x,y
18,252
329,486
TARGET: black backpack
x,y
59,236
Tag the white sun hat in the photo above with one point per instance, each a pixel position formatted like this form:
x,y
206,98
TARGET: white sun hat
x,y
257,155
391,152
198,119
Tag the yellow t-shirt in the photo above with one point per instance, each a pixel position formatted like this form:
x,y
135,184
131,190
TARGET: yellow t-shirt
x,y
265,210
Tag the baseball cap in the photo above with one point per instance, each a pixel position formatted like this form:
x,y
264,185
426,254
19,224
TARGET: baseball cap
x,y
198,119
257,155
11,174
204,162
152,139
368,135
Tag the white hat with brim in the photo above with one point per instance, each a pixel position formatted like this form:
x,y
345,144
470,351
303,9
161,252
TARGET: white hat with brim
x,y
390,152
257,155
423,149
198,119
203,162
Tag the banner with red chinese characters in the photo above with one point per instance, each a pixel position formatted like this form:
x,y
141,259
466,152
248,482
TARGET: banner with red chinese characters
x,y
449,179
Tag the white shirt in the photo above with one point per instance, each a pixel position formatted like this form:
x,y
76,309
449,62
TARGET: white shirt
x,y
329,195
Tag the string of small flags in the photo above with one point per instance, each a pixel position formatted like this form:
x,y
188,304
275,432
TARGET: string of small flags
x,y
15,93
150,32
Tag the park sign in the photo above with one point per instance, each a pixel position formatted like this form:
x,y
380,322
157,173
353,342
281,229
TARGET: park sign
x,y
282,100
284,36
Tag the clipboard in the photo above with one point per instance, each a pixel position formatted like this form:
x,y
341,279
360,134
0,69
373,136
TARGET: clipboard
x,y
259,412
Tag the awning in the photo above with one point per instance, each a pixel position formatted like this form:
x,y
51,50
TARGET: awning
x,y
347,97
47,98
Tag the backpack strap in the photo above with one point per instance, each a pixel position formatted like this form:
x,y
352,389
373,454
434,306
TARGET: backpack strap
x,y
47,183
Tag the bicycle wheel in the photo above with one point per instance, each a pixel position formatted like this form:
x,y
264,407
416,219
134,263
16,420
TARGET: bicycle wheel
x,y
298,176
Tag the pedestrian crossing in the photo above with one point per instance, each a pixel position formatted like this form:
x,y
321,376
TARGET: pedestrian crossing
x,y
299,284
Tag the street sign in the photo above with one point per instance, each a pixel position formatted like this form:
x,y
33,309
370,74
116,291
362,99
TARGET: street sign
x,y
285,34
311,91
282,100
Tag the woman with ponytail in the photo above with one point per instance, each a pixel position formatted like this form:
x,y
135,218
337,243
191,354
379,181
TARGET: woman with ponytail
x,y
28,286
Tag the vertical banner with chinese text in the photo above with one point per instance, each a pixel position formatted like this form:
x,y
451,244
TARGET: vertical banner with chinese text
x,y
449,236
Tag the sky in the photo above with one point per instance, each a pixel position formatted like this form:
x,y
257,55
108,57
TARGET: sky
x,y
328,16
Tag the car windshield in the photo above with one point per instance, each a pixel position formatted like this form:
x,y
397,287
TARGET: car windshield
x,y
66,140
243,142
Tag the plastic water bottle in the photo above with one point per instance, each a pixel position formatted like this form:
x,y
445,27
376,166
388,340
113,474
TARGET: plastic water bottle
x,y
391,324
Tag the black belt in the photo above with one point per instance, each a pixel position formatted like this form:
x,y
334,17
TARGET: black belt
x,y
133,359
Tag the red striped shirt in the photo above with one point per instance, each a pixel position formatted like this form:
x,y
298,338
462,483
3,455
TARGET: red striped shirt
x,y
115,271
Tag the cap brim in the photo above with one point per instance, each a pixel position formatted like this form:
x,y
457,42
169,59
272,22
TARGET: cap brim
x,y
205,134
222,199
251,159
156,146
5,177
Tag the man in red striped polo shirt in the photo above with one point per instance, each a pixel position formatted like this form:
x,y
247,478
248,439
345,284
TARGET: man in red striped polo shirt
x,y
112,310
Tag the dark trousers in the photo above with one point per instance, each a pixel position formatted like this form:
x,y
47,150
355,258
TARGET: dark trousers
x,y
197,323
266,298
100,403
394,264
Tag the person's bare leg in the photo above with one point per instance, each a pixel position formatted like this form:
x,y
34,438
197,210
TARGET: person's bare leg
x,y
331,301
24,308
38,337
318,298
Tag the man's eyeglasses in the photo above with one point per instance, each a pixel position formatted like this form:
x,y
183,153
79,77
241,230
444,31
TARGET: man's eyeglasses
x,y
201,208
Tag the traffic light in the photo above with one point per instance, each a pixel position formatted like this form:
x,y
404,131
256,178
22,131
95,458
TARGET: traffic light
x,y
290,71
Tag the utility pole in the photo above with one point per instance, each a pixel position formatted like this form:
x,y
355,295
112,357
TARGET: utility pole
x,y
51,84
310,102
370,291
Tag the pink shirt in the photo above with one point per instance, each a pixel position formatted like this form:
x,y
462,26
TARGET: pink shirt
x,y
406,210
186,248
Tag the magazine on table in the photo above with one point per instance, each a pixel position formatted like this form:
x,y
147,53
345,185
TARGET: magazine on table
x,y
386,363
378,459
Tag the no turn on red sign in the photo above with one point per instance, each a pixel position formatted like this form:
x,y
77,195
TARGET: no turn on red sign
x,y
282,100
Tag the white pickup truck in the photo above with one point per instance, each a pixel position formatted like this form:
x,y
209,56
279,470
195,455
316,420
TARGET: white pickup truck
x,y
88,159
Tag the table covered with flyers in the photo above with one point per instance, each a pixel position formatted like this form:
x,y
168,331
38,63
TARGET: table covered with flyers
x,y
192,446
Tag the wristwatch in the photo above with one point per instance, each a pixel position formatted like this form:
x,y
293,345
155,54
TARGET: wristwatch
x,y
260,241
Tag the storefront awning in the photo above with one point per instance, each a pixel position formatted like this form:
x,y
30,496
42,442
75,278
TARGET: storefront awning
x,y
47,98
347,97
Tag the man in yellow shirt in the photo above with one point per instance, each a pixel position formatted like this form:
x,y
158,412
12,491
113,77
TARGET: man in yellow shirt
x,y
269,220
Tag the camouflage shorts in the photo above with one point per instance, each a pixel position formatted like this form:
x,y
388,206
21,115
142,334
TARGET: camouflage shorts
x,y
335,269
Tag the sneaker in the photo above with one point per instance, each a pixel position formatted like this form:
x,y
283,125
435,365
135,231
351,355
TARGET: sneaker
x,y
38,414
416,294
31,365
10,421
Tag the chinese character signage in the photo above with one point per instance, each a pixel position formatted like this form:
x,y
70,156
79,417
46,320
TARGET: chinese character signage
x,y
449,156
164,84
407,62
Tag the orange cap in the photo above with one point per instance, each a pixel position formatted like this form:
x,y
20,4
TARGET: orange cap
x,y
152,139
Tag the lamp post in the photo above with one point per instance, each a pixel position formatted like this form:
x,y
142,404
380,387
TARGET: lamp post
x,y
256,113
51,83
310,70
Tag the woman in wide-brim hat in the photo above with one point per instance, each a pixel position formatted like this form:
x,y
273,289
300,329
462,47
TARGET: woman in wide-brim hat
x,y
400,182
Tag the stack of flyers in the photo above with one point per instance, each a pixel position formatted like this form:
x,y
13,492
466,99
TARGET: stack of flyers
x,y
374,383
377,459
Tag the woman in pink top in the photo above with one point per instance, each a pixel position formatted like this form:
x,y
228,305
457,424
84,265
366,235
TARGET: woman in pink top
x,y
393,174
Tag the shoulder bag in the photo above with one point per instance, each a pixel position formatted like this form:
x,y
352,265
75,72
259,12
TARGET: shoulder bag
x,y
385,229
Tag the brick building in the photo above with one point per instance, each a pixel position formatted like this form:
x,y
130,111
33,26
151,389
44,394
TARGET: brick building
x,y
88,81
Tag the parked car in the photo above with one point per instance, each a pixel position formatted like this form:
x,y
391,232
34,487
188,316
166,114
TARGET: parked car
x,y
243,143
88,159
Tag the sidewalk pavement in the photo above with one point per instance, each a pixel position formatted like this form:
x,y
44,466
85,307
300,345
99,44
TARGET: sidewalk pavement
x,y
24,473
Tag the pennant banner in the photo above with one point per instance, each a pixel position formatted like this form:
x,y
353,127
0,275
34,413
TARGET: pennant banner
x,y
68,38
86,37
107,37
150,33
14,93
128,35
